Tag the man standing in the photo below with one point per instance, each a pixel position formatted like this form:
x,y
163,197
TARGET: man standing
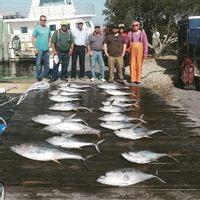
x,y
115,48
80,39
95,47
138,50
62,46
41,43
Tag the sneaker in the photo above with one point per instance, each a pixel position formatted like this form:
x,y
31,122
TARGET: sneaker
x,y
102,79
82,78
110,81
73,79
39,79
92,79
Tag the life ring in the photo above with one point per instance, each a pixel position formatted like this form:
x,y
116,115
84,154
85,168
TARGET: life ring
x,y
16,43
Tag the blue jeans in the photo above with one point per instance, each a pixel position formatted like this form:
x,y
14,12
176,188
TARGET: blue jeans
x,y
97,57
42,55
64,61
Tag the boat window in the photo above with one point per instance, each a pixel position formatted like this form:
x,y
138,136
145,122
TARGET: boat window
x,y
52,27
24,29
88,25
51,2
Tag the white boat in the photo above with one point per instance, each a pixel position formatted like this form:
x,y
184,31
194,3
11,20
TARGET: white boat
x,y
19,30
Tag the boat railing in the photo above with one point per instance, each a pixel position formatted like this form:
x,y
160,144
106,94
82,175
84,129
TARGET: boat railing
x,y
64,11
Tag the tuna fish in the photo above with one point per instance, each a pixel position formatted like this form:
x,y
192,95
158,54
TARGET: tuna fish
x,y
44,152
2,192
114,109
125,177
67,107
54,119
116,125
69,89
119,117
61,98
117,93
135,133
111,86
118,103
143,157
122,99
71,128
67,142
73,85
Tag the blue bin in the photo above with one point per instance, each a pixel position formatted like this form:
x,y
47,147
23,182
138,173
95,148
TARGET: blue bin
x,y
2,128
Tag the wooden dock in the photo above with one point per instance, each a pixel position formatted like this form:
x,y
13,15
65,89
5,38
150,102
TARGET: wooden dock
x,y
26,179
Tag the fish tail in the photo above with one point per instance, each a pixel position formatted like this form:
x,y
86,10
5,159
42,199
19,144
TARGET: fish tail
x,y
172,157
132,94
155,131
56,161
86,158
136,104
85,108
142,115
161,180
97,145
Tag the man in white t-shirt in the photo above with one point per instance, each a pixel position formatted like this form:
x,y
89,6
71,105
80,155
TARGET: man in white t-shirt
x,y
80,39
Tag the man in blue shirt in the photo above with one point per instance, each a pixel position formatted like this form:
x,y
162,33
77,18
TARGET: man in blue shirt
x,y
41,43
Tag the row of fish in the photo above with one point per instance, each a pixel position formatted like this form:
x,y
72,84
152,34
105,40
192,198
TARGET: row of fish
x,y
118,103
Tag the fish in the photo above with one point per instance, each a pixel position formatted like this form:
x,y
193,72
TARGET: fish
x,y
135,133
71,128
122,99
119,117
2,192
114,109
69,89
143,157
111,86
44,152
116,125
118,93
47,119
64,93
66,142
61,98
73,85
118,103
67,107
54,92
125,177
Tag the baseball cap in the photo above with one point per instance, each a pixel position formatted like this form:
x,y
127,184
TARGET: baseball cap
x,y
64,22
97,25
121,26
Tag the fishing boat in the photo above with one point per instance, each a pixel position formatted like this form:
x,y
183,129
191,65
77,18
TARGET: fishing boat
x,y
19,30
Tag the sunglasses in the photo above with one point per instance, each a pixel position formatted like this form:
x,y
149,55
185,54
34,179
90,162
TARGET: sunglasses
x,y
43,20
135,24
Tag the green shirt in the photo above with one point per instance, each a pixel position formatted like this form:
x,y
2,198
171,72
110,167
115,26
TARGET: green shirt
x,y
42,35
62,40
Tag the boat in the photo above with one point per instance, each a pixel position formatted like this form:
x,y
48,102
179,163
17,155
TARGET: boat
x,y
19,29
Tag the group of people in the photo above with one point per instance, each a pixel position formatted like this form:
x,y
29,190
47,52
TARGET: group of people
x,y
115,45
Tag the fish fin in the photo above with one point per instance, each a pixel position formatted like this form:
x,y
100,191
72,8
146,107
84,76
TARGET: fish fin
x,y
85,108
147,136
142,115
97,145
56,161
71,116
136,104
86,158
172,157
132,94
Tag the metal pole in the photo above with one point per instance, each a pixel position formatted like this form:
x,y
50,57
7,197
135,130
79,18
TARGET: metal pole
x,y
1,38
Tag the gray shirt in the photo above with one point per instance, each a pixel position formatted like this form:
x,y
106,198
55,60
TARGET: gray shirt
x,y
96,42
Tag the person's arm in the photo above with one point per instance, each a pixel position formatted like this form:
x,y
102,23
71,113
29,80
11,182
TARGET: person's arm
x,y
145,44
53,43
106,49
34,44
124,49
88,46
71,49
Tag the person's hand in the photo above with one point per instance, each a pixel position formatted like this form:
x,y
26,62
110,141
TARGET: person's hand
x,y
90,53
55,53
35,51
107,54
145,57
70,52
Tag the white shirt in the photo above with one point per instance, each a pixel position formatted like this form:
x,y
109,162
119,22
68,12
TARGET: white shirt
x,y
80,36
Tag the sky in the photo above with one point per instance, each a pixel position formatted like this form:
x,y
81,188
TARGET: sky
x,y
25,4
